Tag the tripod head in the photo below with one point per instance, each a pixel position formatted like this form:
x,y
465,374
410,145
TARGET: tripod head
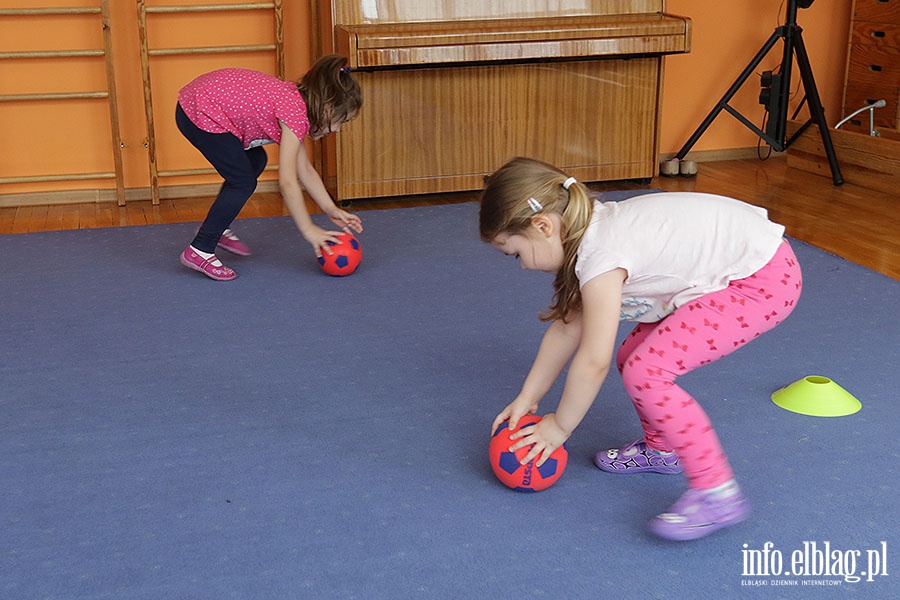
x,y
793,5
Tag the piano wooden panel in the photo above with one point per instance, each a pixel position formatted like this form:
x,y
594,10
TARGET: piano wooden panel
x,y
449,98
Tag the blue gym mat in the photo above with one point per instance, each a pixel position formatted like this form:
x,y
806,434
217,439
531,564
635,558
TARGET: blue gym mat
x,y
294,435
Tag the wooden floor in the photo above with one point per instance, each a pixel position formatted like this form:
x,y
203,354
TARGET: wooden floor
x,y
859,224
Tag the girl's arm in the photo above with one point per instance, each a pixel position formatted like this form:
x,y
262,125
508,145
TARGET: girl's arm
x,y
294,169
601,301
557,346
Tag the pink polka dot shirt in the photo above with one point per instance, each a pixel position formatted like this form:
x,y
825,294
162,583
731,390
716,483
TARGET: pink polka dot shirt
x,y
248,104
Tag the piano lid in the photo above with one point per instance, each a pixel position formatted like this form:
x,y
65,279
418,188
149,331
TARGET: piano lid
x,y
349,12
473,41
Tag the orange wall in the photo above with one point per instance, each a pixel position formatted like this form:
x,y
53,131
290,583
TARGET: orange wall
x,y
50,137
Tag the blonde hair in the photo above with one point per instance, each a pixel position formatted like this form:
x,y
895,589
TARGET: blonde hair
x,y
331,93
507,207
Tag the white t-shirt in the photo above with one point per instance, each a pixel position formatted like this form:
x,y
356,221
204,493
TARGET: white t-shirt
x,y
676,247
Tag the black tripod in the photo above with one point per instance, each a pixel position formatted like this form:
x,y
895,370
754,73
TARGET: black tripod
x,y
777,95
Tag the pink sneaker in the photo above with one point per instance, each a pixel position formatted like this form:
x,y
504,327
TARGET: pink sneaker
x,y
230,242
192,260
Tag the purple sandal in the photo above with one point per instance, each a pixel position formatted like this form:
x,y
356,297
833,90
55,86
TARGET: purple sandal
x,y
637,457
699,513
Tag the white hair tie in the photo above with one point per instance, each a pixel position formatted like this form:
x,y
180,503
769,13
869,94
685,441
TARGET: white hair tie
x,y
568,182
535,205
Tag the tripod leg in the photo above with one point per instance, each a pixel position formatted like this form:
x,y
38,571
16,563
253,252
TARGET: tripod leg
x,y
815,106
729,94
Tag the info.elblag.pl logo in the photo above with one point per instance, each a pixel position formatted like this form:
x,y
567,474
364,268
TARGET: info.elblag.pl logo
x,y
813,563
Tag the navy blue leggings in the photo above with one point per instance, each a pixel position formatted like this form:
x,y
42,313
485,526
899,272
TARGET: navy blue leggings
x,y
238,167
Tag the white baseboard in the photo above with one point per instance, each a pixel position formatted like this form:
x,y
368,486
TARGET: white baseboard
x,y
720,155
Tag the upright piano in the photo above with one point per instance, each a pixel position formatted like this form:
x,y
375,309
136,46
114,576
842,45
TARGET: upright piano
x,y
454,88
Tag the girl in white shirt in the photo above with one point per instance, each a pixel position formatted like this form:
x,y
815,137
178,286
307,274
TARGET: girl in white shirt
x,y
701,274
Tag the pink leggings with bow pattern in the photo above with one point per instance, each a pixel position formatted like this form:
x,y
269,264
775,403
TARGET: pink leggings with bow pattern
x,y
654,355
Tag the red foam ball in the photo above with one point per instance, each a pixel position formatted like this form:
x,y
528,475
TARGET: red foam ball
x,y
346,256
524,478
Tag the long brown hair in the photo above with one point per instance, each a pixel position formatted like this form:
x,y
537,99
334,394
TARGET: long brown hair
x,y
505,208
331,93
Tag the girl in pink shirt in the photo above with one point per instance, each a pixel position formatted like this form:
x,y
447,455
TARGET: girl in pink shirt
x,y
230,114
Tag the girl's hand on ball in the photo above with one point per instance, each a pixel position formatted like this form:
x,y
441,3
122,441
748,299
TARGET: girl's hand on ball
x,y
544,437
319,239
514,411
